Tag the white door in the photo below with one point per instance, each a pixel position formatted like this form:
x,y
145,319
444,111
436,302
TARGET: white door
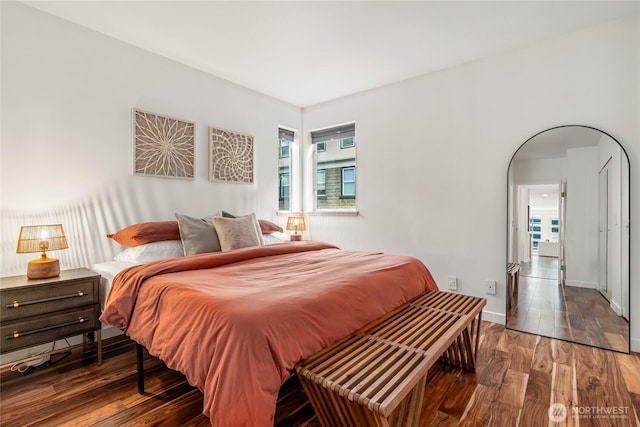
x,y
561,233
604,215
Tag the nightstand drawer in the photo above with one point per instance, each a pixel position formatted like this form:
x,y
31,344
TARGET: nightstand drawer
x,y
36,330
35,300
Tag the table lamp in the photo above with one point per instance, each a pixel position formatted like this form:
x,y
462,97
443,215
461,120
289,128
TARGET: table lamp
x,y
295,223
42,238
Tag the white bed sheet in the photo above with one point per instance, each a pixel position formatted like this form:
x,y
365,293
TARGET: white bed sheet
x,y
108,271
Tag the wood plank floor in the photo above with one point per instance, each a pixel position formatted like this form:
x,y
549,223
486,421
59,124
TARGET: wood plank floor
x,y
569,313
541,267
519,375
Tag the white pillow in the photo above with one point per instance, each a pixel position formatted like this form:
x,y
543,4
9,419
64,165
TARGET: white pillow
x,y
274,238
150,252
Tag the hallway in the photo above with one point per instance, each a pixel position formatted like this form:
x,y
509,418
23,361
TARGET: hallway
x,y
569,313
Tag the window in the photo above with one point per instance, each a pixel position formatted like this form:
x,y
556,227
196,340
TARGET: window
x,y
335,167
349,182
285,138
347,142
284,148
535,220
535,228
555,221
321,183
554,229
284,192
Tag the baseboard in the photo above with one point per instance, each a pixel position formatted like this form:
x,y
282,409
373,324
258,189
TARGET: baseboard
x,y
617,308
579,284
492,316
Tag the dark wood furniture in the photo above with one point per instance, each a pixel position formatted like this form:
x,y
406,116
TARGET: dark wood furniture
x,y
513,276
377,375
34,312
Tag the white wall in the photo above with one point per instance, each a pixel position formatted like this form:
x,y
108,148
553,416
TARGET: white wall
x,y
67,97
540,171
433,151
524,242
581,225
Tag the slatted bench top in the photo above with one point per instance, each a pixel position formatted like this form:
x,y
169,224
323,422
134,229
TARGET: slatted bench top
x,y
380,364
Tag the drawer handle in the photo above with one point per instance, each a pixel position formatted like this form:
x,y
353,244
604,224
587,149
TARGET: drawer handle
x,y
16,304
17,334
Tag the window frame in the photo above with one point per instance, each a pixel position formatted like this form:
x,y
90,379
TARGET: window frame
x,y
343,146
343,182
286,168
331,155
281,146
322,195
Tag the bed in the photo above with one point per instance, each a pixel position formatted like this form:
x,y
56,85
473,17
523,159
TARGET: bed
x,y
236,323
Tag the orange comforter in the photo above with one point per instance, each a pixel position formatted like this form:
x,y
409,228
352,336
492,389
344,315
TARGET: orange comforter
x,y
235,323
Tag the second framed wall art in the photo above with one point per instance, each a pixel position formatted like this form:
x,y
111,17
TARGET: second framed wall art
x,y
230,156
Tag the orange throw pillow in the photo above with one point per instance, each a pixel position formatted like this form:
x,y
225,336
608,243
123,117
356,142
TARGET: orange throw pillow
x,y
147,232
268,227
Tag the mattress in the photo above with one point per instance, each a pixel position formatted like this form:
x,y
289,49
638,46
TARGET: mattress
x,y
108,271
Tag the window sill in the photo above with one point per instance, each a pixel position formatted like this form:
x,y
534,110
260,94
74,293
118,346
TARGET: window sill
x,y
321,212
333,212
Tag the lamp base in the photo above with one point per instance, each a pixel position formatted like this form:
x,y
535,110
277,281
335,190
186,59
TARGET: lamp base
x,y
43,268
295,237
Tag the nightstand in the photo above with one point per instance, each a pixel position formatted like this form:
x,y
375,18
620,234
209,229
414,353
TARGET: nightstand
x,y
34,312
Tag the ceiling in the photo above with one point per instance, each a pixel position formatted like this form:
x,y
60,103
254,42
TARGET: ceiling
x,y
554,143
544,196
308,52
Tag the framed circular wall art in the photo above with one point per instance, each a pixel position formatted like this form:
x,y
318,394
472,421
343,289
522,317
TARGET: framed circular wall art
x,y
230,156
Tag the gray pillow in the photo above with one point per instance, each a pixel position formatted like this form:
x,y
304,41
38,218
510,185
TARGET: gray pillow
x,y
236,233
198,235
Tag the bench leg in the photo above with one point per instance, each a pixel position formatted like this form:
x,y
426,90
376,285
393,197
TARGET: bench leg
x,y
464,348
408,412
140,363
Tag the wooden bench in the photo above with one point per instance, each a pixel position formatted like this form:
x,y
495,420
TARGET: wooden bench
x,y
513,273
377,375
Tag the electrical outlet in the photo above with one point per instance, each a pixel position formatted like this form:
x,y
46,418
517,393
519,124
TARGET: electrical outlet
x,y
453,283
490,287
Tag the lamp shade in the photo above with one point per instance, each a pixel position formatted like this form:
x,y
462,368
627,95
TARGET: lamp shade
x,y
295,223
42,238
32,237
